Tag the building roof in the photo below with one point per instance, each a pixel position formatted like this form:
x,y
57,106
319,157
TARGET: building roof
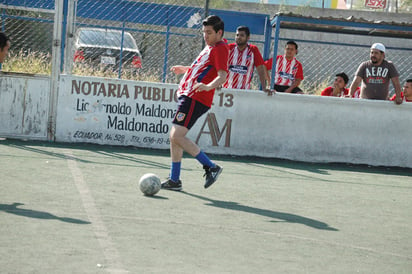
x,y
350,25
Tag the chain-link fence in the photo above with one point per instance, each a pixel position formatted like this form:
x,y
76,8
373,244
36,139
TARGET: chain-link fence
x,y
141,40
165,35
159,34
324,55
28,26
322,61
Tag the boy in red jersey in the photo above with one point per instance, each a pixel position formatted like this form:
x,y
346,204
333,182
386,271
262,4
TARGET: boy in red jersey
x,y
406,94
339,86
195,93
243,58
289,71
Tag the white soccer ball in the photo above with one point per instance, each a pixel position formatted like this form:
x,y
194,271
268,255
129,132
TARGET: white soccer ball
x,y
149,184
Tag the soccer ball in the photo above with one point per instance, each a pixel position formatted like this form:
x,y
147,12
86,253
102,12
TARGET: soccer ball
x,y
149,184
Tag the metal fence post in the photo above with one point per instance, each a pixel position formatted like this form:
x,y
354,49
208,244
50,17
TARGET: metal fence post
x,y
165,59
275,51
268,38
55,67
70,29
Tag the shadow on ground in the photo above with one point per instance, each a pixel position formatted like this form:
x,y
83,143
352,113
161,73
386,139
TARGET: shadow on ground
x,y
286,217
13,209
120,152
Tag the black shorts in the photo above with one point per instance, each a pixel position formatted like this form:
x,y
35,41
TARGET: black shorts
x,y
188,111
283,88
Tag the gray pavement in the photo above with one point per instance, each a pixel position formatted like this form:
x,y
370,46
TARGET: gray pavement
x,y
77,209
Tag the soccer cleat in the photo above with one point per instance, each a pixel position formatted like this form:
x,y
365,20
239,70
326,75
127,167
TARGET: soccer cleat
x,y
211,174
172,185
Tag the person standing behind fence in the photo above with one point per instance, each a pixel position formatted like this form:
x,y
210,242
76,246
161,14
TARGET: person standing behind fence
x,y
339,86
375,75
243,57
406,94
4,46
289,71
195,93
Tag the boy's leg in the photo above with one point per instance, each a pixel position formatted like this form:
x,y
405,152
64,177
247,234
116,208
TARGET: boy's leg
x,y
204,159
178,143
188,112
176,154
212,171
179,139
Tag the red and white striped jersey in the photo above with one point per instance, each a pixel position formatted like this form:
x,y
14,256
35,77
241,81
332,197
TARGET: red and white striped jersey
x,y
286,70
204,69
241,65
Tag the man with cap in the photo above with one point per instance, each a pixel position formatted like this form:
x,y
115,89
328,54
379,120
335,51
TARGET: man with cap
x,y
375,75
339,86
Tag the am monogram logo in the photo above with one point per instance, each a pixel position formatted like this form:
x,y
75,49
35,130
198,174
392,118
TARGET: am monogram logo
x,y
214,131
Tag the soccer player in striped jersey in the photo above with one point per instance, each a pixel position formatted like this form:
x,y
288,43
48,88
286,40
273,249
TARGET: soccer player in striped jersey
x,y
195,93
243,58
289,72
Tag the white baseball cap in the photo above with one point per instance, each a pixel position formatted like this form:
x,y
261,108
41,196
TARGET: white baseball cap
x,y
378,46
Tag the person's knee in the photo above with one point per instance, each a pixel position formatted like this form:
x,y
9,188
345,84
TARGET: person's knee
x,y
173,138
177,134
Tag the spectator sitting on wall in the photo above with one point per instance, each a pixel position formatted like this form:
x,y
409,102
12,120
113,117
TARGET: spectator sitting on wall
x,y
289,71
4,46
375,75
406,94
243,58
339,86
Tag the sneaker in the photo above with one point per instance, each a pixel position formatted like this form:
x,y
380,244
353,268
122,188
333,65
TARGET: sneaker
x,y
172,185
211,174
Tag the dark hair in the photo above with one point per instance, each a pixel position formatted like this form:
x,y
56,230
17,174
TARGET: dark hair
x,y
291,42
245,29
3,40
409,80
344,76
215,22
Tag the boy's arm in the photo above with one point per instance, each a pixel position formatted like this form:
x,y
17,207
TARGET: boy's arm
x,y
179,69
217,82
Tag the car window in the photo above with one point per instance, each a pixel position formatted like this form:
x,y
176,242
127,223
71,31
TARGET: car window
x,y
106,38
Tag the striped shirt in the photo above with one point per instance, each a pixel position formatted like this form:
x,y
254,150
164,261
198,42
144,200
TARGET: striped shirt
x,y
286,70
241,65
204,69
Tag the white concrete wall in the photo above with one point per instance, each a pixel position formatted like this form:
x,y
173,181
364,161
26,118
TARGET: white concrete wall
x,y
24,102
320,129
297,127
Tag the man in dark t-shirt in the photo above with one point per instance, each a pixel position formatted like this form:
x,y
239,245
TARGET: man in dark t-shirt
x,y
375,75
